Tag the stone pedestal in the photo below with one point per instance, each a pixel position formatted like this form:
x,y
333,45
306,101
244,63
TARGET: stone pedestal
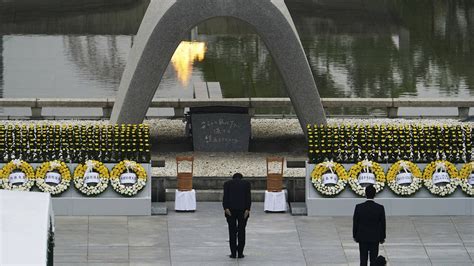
x,y
72,202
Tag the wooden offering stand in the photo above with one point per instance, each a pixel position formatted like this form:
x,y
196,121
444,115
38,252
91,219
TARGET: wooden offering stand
x,y
275,179
185,179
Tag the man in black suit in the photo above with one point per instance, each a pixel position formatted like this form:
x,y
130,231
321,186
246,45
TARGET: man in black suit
x,y
236,203
368,227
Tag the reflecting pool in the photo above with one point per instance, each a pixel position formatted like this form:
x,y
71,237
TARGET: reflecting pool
x,y
356,48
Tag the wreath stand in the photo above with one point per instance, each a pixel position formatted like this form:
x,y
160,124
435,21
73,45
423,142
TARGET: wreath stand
x,y
420,204
185,195
73,203
275,196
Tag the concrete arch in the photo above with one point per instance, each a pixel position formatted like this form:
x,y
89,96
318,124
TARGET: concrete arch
x,y
165,24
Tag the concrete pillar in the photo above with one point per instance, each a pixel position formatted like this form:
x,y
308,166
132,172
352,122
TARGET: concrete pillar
x,y
463,112
36,112
1,66
106,112
392,112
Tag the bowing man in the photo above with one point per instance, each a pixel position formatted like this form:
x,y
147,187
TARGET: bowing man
x,y
236,203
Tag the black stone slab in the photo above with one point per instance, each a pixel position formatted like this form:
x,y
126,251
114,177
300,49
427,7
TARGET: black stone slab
x,y
220,132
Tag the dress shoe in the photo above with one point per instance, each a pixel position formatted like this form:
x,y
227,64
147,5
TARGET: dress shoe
x,y
232,256
241,256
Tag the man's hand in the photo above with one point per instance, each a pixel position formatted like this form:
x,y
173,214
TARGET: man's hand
x,y
227,212
246,214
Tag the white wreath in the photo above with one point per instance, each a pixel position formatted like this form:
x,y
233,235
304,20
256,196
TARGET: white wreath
x,y
443,190
464,174
23,166
48,167
366,166
401,190
119,169
324,189
90,165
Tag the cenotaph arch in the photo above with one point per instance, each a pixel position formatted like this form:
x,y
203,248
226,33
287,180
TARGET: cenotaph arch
x,y
166,23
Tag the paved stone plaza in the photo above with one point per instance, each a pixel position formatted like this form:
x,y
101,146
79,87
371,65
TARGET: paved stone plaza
x,y
200,238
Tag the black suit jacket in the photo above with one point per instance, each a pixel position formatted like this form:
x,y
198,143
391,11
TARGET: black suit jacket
x,y
369,222
237,195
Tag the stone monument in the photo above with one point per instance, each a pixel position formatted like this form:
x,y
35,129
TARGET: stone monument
x,y
167,22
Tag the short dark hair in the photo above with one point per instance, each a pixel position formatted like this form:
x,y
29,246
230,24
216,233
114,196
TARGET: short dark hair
x,y
370,192
238,175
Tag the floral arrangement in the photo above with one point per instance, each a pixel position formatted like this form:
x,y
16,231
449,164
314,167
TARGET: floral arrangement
x,y
55,167
127,166
366,166
21,166
441,166
399,175
325,168
465,176
74,142
389,143
88,167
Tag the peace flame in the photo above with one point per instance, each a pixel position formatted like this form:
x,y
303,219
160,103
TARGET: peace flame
x,y
184,57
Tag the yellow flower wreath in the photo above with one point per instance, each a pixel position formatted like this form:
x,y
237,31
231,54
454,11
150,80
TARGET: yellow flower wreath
x,y
79,178
46,167
464,174
375,168
119,169
24,167
322,168
445,189
404,190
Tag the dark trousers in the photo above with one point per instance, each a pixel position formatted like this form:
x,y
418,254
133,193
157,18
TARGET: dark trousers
x,y
367,249
237,224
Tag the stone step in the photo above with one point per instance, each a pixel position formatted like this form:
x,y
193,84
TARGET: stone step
x,y
214,195
159,208
294,185
298,208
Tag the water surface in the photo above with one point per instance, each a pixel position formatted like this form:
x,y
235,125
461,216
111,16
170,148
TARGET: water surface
x,y
355,48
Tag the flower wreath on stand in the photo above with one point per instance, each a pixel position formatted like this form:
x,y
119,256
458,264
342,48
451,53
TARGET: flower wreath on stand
x,y
53,177
364,171
441,178
90,182
404,178
18,175
128,178
466,178
329,178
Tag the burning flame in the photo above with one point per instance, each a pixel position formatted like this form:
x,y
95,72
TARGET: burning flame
x,y
184,57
